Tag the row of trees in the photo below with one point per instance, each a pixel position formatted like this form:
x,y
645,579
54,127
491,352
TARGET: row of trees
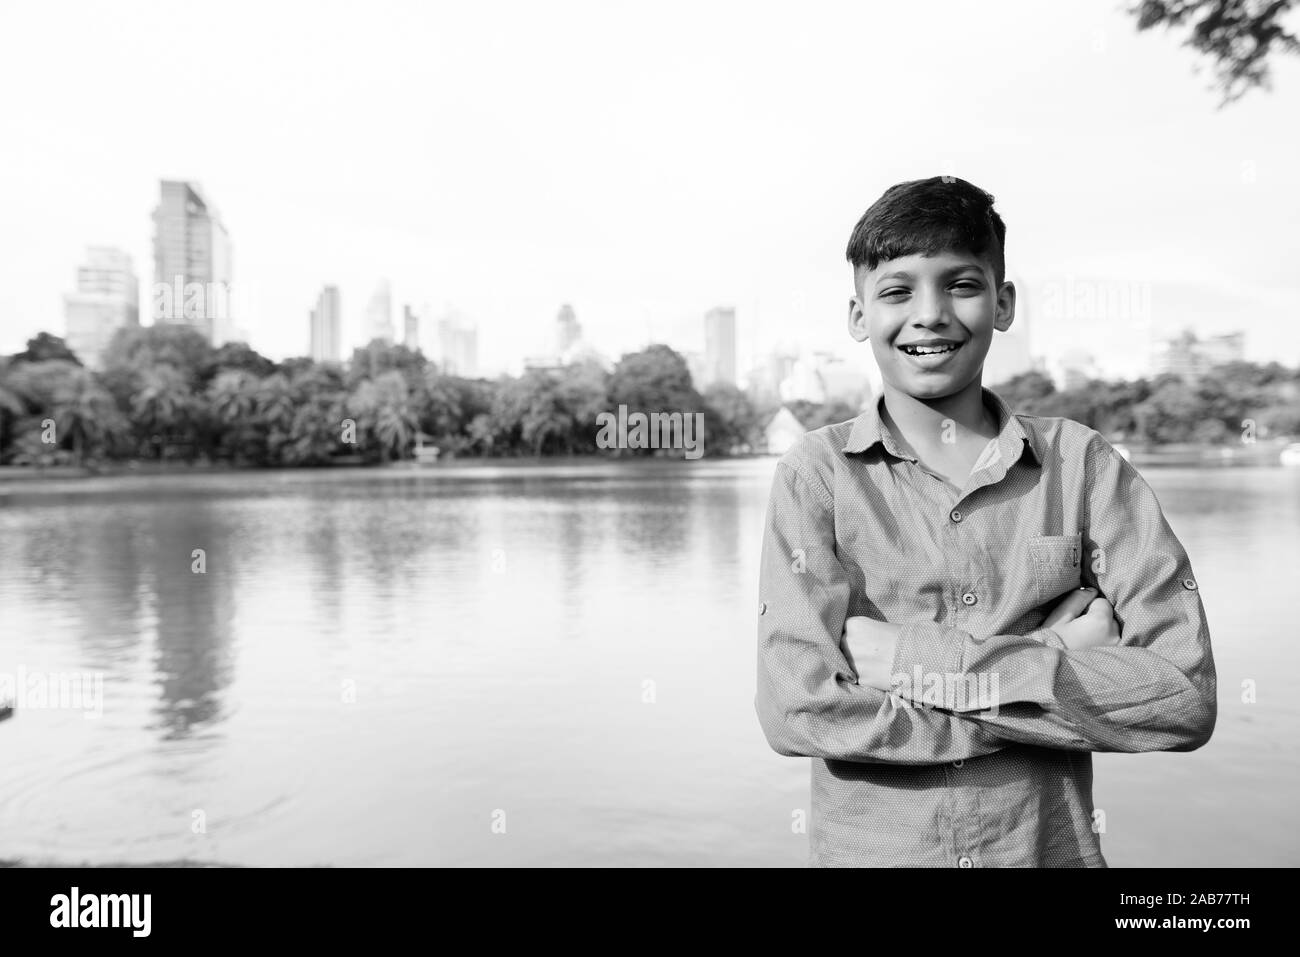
x,y
1215,408
164,393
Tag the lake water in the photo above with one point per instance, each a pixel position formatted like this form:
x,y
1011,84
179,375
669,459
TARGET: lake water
x,y
548,665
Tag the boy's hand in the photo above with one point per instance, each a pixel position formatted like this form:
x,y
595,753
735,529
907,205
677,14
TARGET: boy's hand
x,y
1081,618
1094,628
869,645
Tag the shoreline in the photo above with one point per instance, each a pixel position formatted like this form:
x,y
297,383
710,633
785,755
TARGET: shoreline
x,y
1261,454
17,482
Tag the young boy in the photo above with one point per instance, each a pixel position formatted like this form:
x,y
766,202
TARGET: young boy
x,y
932,626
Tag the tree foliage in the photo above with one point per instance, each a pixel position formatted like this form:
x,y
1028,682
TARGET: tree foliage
x,y
1238,36
165,394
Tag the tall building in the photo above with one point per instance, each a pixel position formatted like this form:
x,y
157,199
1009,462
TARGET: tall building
x,y
326,326
107,299
410,328
719,346
192,263
1188,357
457,346
567,329
379,313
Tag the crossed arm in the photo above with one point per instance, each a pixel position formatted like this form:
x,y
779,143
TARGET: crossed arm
x,y
1073,684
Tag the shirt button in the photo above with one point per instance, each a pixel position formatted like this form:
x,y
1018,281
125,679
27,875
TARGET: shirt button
x,y
762,608
957,764
969,598
965,862
955,515
1189,584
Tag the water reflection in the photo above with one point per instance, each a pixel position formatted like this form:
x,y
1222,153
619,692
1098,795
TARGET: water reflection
x,y
500,626
195,608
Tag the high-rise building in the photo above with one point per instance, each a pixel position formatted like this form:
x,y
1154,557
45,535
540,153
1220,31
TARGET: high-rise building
x,y
1188,357
410,328
326,326
192,263
457,346
719,346
107,299
379,313
567,329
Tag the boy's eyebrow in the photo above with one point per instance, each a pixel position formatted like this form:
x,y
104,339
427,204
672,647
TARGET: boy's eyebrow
x,y
952,271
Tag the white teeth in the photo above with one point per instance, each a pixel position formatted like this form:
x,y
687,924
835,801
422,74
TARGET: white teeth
x,y
928,350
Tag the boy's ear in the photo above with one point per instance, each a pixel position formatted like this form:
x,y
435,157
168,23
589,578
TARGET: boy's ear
x,y
1006,310
857,320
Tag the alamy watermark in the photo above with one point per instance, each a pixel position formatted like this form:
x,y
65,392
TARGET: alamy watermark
x,y
1079,299
653,430
77,690
967,691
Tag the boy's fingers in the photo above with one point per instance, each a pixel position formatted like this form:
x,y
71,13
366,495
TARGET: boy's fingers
x,y
1070,607
1101,607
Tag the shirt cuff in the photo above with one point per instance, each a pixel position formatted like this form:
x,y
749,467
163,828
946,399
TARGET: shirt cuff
x,y
928,646
1050,638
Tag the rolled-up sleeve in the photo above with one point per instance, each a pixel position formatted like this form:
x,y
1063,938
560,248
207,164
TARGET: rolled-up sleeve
x,y
1154,691
808,700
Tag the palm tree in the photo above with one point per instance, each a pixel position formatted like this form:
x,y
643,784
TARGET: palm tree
x,y
275,408
232,401
86,413
231,397
395,420
162,406
15,395
383,409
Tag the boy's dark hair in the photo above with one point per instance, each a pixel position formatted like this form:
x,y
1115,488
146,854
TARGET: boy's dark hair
x,y
927,216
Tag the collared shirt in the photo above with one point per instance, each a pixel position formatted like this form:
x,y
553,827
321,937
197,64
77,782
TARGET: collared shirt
x,y
979,756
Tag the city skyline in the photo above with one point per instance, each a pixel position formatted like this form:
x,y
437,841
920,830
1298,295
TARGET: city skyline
x,y
192,251
691,174
191,245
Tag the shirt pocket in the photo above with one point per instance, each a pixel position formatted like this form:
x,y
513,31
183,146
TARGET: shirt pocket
x,y
1057,564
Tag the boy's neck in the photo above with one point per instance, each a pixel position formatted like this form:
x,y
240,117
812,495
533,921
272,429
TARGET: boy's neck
x,y
920,422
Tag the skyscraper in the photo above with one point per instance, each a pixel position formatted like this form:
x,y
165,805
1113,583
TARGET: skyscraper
x,y
719,346
107,299
567,329
326,326
379,313
1190,358
457,346
410,328
192,263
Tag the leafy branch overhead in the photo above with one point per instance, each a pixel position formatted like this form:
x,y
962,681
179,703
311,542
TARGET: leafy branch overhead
x,y
1237,35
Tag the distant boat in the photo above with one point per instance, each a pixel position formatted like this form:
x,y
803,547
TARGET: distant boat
x,y
1291,455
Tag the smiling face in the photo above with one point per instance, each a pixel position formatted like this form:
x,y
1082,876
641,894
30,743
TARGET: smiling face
x,y
930,319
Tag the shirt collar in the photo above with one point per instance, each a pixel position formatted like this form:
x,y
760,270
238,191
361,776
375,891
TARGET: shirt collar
x,y
869,429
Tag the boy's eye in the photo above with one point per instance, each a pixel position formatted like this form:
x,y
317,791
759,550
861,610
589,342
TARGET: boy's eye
x,y
968,285
897,292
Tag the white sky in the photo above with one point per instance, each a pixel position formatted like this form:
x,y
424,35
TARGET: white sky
x,y
643,162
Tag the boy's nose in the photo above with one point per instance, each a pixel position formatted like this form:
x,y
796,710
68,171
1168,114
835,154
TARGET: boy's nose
x,y
931,310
